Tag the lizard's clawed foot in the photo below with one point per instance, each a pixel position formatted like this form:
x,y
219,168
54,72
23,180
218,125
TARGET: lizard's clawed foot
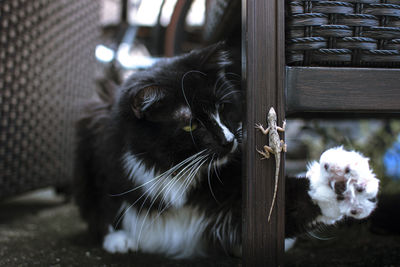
x,y
259,126
265,154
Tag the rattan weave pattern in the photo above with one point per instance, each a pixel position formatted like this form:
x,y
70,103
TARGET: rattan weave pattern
x,y
46,68
343,33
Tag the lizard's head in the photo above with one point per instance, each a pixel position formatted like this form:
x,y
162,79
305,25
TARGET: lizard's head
x,y
271,114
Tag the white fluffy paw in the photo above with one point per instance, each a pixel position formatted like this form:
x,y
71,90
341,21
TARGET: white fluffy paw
x,y
118,242
342,184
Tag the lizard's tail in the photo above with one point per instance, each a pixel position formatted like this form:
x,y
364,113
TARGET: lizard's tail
x,y
277,162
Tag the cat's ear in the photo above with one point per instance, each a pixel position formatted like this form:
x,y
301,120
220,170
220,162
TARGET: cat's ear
x,y
214,58
145,99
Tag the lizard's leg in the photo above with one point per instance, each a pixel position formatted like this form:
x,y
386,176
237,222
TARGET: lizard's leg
x,y
284,146
261,128
264,153
268,149
282,129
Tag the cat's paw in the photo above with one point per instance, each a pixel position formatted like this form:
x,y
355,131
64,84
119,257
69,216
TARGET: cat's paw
x,y
118,242
342,184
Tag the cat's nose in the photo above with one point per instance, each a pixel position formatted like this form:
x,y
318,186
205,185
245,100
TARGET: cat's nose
x,y
227,144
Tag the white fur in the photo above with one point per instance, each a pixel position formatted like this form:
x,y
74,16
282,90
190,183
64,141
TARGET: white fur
x,y
183,112
176,233
221,161
289,243
229,137
239,129
151,98
155,185
323,195
223,224
227,133
117,242
322,181
234,146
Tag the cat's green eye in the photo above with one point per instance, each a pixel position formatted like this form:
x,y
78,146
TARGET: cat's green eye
x,y
190,128
221,106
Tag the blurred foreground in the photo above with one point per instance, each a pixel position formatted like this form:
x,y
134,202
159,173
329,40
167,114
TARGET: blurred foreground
x,y
42,229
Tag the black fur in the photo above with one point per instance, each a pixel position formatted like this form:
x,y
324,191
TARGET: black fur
x,y
140,118
300,210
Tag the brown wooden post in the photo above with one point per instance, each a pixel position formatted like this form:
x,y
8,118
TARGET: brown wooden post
x,y
263,77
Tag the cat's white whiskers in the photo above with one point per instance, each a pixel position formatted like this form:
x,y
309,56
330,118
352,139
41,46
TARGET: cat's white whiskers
x,y
234,74
184,95
195,159
225,86
210,164
130,206
179,175
191,176
191,133
216,82
312,234
166,173
168,187
154,185
157,183
135,188
147,193
239,133
194,170
222,85
189,180
216,165
209,179
230,93
182,83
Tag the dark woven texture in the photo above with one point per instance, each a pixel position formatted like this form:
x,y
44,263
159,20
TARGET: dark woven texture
x,y
46,67
343,33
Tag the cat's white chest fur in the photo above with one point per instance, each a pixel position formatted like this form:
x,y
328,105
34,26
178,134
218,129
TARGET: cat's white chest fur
x,y
170,190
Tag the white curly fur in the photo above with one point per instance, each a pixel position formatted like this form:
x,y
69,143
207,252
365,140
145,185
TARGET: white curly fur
x,y
349,167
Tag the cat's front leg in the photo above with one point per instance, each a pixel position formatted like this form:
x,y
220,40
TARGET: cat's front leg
x,y
342,184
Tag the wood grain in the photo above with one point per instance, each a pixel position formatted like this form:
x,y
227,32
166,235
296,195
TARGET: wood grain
x,y
263,78
342,91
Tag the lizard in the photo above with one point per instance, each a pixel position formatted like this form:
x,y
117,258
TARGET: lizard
x,y
276,146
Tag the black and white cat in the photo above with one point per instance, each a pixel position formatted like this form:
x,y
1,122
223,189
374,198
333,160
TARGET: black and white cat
x,y
159,164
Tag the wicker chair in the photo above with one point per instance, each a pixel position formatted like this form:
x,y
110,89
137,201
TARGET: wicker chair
x,y
46,67
343,33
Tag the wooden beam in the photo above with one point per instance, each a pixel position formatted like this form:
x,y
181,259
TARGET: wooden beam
x,y
263,78
345,90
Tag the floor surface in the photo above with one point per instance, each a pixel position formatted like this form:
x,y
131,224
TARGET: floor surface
x,y
41,229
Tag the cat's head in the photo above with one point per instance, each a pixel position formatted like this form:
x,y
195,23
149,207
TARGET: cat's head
x,y
182,106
